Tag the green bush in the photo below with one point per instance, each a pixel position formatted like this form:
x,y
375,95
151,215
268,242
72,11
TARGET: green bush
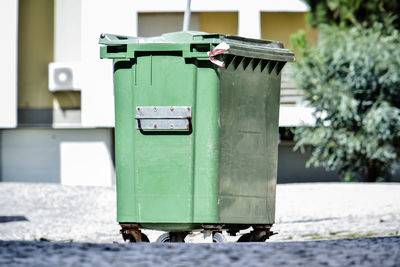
x,y
353,12
352,79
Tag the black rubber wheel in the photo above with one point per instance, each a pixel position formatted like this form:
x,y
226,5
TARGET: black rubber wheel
x,y
262,238
164,238
218,238
145,238
129,238
251,237
245,238
173,237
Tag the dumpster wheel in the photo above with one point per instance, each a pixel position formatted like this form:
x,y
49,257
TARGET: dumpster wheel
x,y
218,238
132,234
259,234
251,238
131,239
172,237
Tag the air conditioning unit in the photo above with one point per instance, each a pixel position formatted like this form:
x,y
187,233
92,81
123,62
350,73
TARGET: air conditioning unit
x,y
64,76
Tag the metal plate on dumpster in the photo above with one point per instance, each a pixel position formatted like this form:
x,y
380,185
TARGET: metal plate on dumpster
x,y
163,117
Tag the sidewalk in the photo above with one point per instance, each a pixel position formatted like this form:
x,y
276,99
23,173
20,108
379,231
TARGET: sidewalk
x,y
303,212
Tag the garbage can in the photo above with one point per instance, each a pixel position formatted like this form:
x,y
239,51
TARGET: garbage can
x,y
196,133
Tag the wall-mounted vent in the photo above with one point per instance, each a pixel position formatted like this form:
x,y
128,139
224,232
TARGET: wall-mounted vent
x,y
64,76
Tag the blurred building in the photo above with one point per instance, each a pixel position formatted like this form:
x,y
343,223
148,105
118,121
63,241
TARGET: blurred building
x,y
56,96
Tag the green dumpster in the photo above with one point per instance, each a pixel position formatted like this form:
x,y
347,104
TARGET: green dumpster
x,y
196,133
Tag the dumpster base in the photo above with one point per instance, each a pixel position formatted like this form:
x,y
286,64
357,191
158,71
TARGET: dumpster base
x,y
177,231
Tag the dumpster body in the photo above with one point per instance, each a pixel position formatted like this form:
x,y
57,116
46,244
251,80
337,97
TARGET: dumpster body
x,y
196,143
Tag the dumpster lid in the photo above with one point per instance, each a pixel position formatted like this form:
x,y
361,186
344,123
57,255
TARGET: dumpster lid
x,y
247,47
182,37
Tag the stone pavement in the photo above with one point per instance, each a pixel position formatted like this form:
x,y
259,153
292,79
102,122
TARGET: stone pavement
x,y
303,212
48,212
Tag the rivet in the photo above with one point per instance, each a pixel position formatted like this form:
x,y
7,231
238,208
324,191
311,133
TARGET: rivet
x,y
171,126
155,109
138,108
172,108
155,126
188,108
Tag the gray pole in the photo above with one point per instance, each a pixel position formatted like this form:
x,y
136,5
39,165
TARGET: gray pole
x,y
186,18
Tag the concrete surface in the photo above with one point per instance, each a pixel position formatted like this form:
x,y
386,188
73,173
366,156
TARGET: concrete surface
x,y
48,212
374,252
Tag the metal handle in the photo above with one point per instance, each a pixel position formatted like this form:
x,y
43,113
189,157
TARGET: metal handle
x,y
163,117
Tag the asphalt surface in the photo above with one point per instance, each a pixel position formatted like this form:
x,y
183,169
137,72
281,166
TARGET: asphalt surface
x,y
357,252
80,223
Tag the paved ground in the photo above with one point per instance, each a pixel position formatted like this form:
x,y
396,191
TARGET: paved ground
x,y
376,252
304,212
331,210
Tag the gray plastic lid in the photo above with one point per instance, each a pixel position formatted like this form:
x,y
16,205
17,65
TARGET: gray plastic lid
x,y
247,47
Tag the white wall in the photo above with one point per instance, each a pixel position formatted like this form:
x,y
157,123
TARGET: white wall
x,y
101,16
221,5
8,63
120,17
155,24
295,116
86,162
73,156
67,30
249,11
78,25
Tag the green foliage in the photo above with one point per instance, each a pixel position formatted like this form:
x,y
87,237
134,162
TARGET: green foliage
x,y
299,43
352,79
349,177
353,12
